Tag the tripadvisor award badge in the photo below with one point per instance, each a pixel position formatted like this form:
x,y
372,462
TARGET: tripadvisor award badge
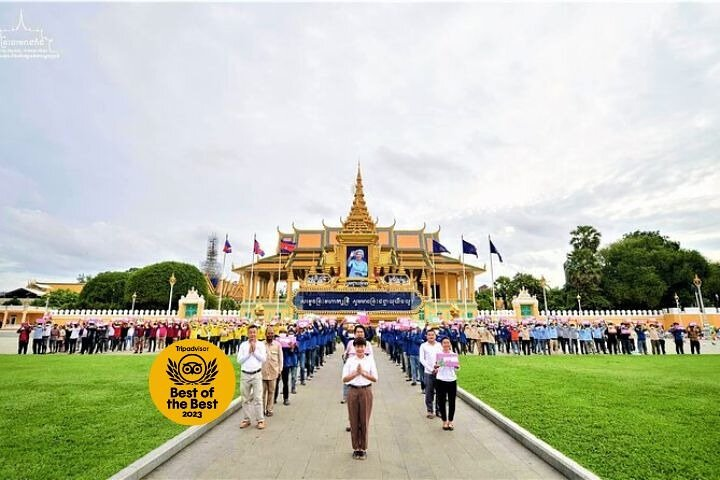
x,y
192,382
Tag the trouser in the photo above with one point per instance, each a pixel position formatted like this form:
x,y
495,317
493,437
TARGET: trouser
x,y
612,346
170,340
563,344
152,341
285,377
516,347
553,345
123,343
252,387
45,341
293,378
625,345
215,339
84,345
446,392
490,348
301,366
600,345
655,345
402,360
72,346
455,347
416,368
586,346
662,345
574,348
695,347
679,348
359,405
269,394
139,344
22,347
430,396
642,347
526,347
53,345
161,343
37,346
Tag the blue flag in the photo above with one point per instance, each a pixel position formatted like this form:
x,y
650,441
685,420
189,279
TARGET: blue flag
x,y
469,248
495,251
439,248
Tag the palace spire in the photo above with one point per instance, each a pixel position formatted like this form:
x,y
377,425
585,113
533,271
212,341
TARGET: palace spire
x,y
359,220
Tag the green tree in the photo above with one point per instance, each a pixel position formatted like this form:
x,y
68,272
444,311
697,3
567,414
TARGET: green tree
x,y
59,299
13,302
583,268
483,298
153,288
105,291
646,270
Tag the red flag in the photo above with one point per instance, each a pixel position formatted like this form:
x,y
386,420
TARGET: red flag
x,y
227,248
287,246
257,250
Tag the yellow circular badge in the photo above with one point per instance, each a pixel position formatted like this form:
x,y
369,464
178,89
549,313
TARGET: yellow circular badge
x,y
192,382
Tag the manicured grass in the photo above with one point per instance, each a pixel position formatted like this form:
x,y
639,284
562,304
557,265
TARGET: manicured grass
x,y
621,417
77,416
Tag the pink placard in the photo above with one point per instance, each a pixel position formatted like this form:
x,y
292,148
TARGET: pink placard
x,y
287,342
303,323
447,360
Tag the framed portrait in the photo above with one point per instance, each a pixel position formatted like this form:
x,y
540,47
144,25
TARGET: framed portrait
x,y
357,262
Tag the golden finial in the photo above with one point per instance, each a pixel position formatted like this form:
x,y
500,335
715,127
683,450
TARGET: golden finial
x,y
359,220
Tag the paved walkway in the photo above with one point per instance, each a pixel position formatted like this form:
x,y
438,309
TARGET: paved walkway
x,y
307,439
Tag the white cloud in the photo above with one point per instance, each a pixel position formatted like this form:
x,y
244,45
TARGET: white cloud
x,y
164,122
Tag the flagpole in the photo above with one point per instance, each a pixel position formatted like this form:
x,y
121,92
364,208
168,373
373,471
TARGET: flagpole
x,y
462,247
251,297
434,283
221,278
277,292
492,274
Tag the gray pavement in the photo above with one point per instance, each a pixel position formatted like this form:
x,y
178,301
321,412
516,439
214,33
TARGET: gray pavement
x,y
307,439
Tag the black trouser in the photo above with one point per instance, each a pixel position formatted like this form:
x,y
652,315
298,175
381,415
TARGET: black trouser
x,y
22,347
37,346
695,345
600,345
662,345
612,345
526,346
72,346
285,377
446,391
45,344
563,344
625,344
679,348
574,348
151,344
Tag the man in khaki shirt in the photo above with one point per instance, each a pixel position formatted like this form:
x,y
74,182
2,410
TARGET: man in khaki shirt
x,y
271,369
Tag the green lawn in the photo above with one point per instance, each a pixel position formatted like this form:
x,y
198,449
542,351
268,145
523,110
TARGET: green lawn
x,y
621,417
77,416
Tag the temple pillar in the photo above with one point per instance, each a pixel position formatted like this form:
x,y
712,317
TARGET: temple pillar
x,y
447,288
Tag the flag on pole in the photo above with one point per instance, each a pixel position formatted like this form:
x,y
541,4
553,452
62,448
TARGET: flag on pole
x,y
469,248
227,248
495,251
438,247
257,250
287,246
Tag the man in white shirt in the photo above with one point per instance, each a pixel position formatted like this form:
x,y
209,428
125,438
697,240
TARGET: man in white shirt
x,y
428,351
251,356
359,373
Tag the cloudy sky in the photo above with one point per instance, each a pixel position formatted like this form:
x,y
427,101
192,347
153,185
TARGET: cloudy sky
x,y
160,123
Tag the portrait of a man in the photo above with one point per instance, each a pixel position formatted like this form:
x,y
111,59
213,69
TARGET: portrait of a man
x,y
357,266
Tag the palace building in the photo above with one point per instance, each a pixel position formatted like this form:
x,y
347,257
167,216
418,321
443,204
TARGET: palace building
x,y
358,266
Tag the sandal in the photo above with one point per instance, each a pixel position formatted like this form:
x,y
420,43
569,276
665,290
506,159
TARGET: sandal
x,y
261,425
245,424
451,426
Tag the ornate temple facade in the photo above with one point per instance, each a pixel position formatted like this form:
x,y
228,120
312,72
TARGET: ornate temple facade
x,y
358,266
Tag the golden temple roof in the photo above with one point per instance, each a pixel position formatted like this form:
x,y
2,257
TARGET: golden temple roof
x,y
358,220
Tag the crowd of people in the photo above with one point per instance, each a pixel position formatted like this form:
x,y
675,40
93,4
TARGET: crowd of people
x,y
529,337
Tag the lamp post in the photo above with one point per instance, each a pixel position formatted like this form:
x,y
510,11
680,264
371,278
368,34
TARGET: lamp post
x,y
698,284
579,306
132,309
172,280
543,283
